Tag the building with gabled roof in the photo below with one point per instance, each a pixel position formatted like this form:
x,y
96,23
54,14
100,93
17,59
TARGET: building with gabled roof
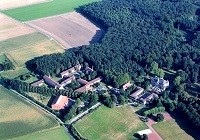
x,y
67,81
51,82
70,71
82,81
136,94
37,83
88,85
127,85
60,102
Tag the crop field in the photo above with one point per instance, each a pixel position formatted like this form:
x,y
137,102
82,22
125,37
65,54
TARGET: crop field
x,y
23,48
71,29
119,123
52,134
19,118
170,130
42,10
10,28
8,4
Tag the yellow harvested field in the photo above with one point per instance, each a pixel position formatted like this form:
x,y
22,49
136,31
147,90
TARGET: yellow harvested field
x,y
10,28
25,53
9,4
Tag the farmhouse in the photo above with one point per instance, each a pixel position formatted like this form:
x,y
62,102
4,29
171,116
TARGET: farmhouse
x,y
60,102
88,85
37,83
51,82
159,84
135,95
67,81
70,71
148,97
127,85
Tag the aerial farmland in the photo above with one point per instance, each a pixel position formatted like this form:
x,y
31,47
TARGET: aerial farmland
x,y
22,39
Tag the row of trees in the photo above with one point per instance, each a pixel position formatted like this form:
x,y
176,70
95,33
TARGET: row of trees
x,y
154,110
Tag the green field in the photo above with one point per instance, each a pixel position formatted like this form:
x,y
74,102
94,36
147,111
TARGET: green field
x,y
20,118
14,73
170,130
52,134
110,124
17,42
45,9
23,48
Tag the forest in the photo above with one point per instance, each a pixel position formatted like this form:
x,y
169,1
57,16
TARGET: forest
x,y
139,33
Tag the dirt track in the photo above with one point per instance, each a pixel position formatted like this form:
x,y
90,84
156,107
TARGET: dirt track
x,y
10,28
9,4
71,29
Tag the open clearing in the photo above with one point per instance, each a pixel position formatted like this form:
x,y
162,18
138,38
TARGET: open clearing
x,y
119,123
52,134
54,7
10,28
71,29
8,4
170,130
23,48
20,118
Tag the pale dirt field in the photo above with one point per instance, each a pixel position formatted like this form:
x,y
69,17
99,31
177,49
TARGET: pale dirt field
x,y
21,55
9,4
10,28
71,29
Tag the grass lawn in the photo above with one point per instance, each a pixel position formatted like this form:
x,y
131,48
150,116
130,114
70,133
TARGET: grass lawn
x,y
52,134
20,118
14,73
119,123
2,58
170,130
54,7
40,98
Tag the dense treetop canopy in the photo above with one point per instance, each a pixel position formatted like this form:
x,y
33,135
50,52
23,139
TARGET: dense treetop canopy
x,y
139,32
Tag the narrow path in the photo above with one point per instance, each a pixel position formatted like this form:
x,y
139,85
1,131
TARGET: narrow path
x,y
84,113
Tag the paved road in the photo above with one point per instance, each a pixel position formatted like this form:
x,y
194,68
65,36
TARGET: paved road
x,y
84,113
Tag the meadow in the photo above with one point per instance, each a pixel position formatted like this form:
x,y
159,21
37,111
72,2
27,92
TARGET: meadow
x,y
170,130
14,73
19,118
110,124
45,9
51,134
23,48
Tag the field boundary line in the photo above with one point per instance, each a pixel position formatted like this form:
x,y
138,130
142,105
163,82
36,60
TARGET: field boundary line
x,y
38,106
79,116
28,5
42,31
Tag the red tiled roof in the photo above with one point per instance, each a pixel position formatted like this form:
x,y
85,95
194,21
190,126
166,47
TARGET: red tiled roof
x,y
60,102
